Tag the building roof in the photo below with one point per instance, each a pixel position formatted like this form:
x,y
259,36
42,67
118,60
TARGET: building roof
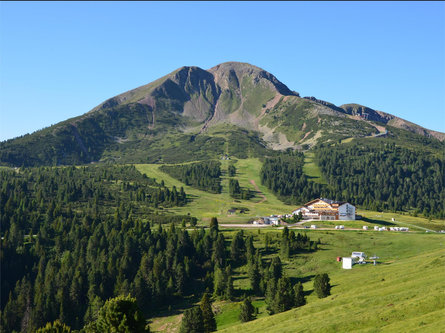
x,y
332,203
328,201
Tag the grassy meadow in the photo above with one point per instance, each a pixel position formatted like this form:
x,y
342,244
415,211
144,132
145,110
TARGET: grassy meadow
x,y
204,205
311,169
403,292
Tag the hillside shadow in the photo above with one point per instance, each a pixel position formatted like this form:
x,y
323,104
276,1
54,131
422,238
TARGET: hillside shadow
x,y
385,223
295,280
179,306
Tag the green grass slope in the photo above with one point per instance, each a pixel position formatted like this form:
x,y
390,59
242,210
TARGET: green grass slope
x,y
204,205
402,294
311,169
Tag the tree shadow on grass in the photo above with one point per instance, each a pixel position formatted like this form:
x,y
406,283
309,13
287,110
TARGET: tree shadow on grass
x,y
295,280
365,219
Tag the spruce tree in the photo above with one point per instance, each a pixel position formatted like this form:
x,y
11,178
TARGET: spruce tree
x,y
284,296
192,321
120,314
54,327
321,285
299,295
255,278
250,249
270,294
247,311
229,288
238,248
219,282
276,269
207,314
219,251
214,227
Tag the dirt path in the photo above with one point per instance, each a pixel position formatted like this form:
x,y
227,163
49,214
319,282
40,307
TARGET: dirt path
x,y
259,191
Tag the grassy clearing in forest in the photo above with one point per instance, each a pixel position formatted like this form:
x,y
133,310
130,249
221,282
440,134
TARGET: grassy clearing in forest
x,y
311,169
204,205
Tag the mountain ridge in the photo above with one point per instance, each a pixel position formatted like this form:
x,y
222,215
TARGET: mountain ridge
x,y
226,73
189,102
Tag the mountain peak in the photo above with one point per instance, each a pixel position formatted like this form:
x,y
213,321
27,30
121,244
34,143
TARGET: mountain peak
x,y
236,71
236,66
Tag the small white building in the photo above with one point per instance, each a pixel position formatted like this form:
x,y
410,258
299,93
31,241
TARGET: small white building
x,y
347,262
358,254
273,219
365,227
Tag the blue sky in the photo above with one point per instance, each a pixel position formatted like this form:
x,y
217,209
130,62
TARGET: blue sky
x,y
60,59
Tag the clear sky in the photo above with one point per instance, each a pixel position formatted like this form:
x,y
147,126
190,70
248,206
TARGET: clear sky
x,y
60,59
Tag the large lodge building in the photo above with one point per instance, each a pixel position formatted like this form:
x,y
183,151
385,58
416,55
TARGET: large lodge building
x,y
326,209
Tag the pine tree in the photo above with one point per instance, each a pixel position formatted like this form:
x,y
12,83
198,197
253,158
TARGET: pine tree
x,y
247,311
54,327
219,282
207,314
229,288
254,277
214,227
275,268
219,251
250,249
121,314
238,248
270,294
299,295
284,296
192,321
321,285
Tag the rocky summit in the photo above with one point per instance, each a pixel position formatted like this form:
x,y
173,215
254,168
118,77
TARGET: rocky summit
x,y
201,111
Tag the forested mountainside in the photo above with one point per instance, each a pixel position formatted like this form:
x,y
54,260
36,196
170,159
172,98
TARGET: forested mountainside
x,y
74,237
378,177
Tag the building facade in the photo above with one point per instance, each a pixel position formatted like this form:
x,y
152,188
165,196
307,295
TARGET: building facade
x,y
326,209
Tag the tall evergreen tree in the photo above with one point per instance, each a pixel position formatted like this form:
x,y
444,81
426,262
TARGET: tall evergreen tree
x,y
321,285
192,321
219,282
120,314
214,227
247,310
255,278
284,297
276,269
207,314
300,299
238,248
